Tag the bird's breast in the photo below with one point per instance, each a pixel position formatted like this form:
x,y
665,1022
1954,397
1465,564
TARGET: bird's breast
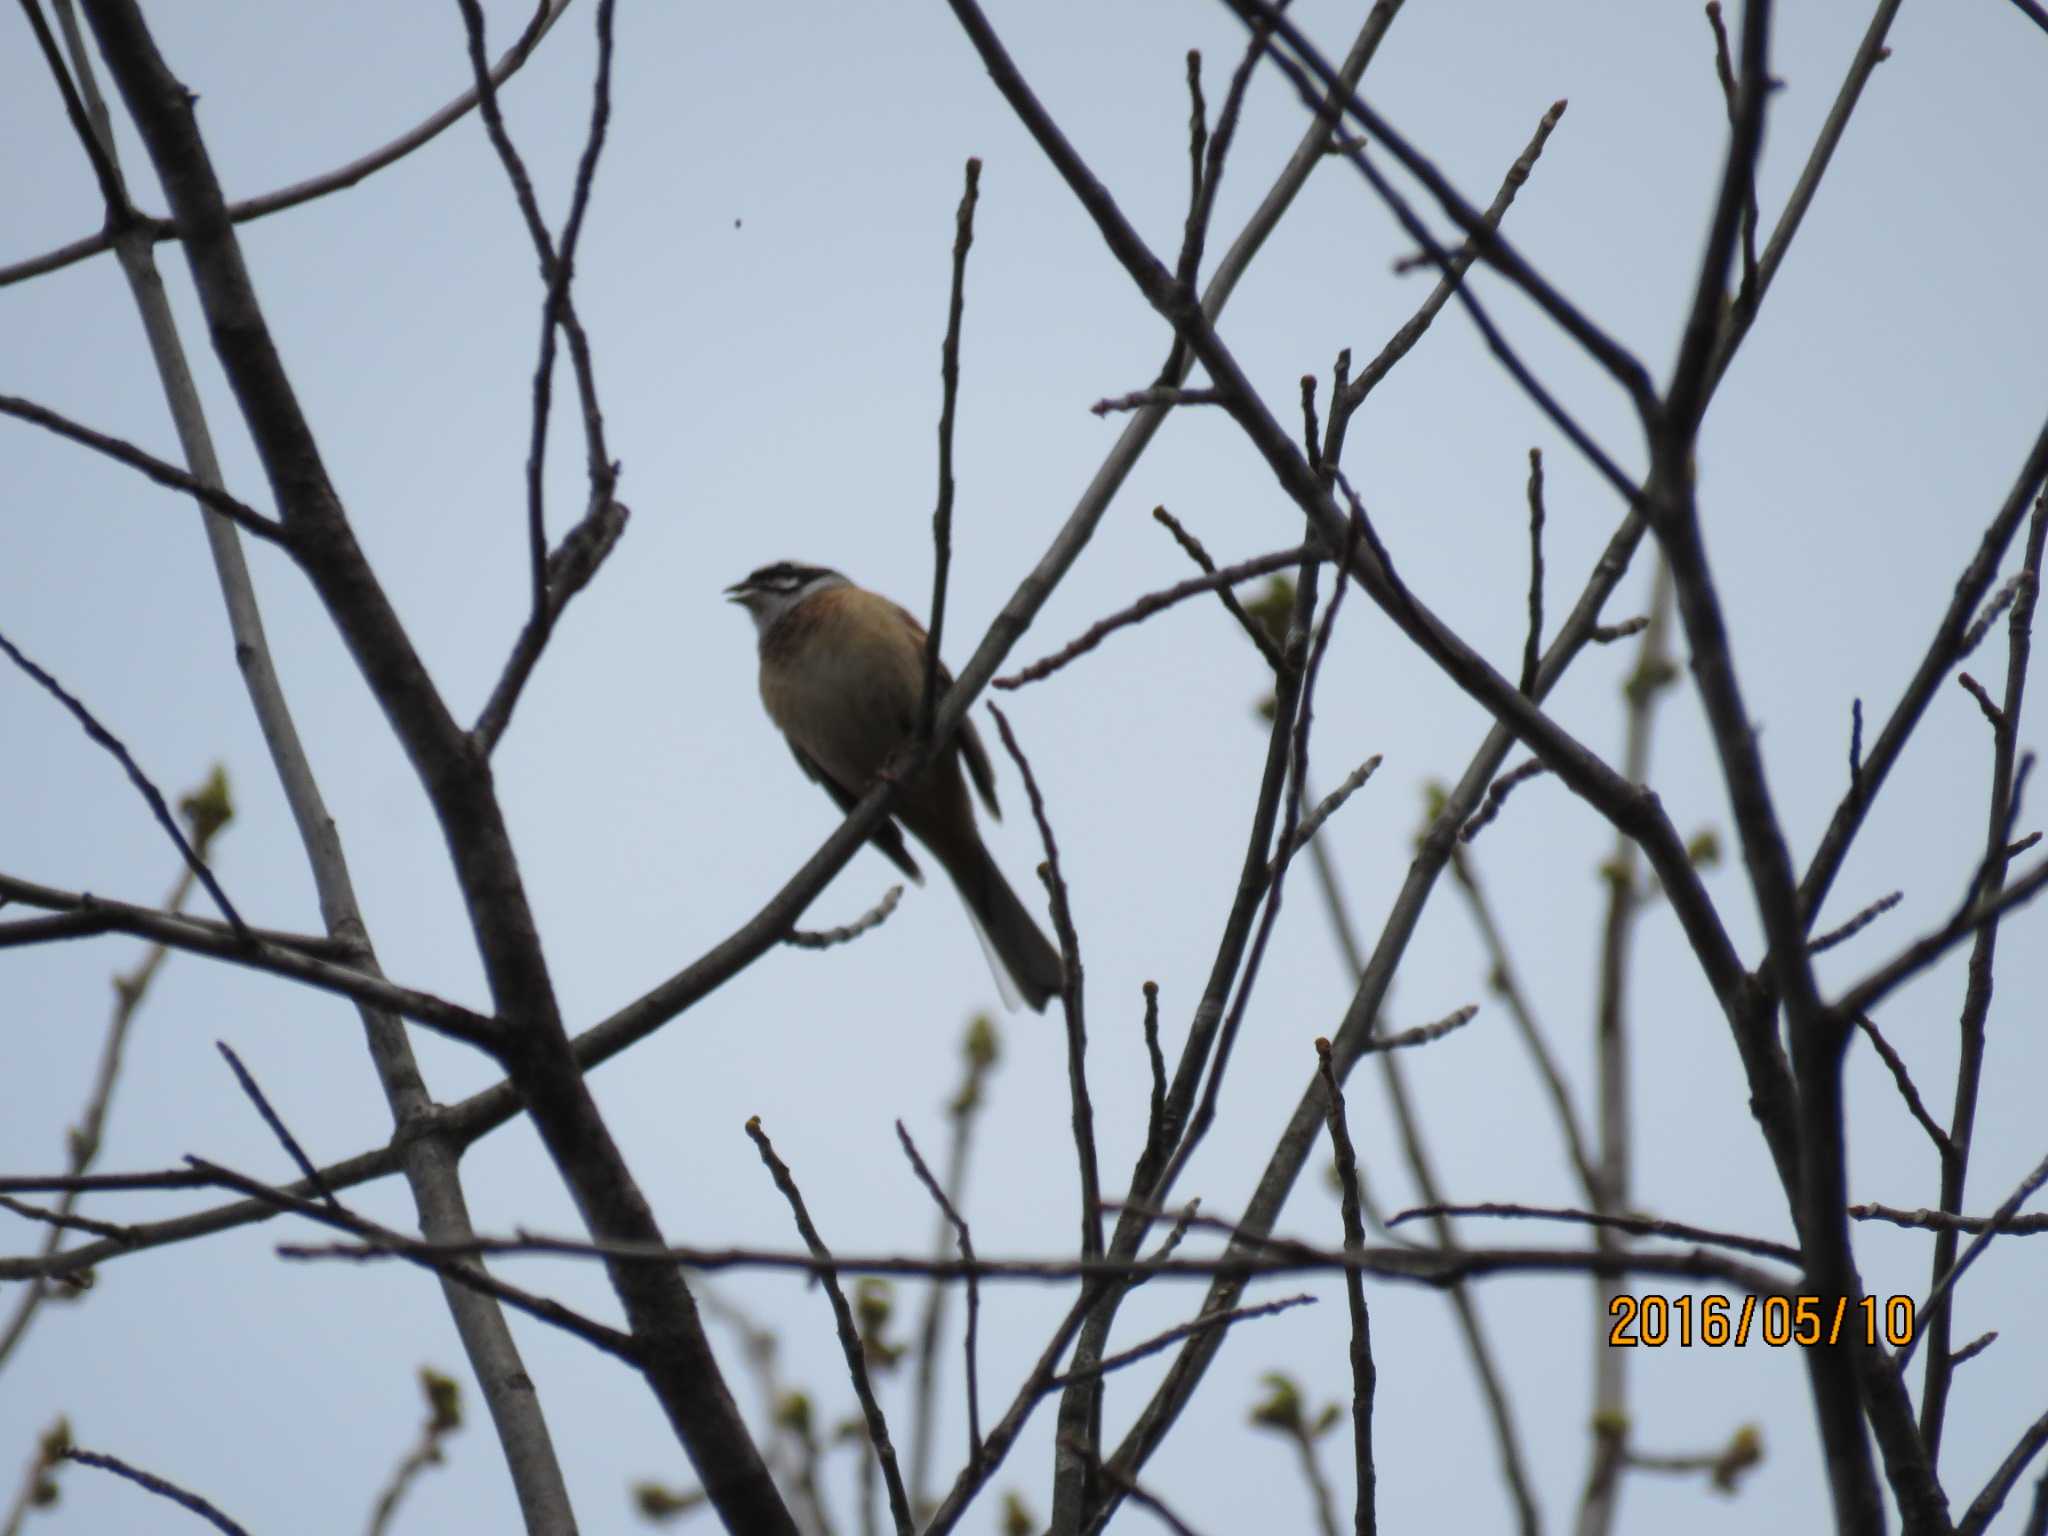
x,y
841,677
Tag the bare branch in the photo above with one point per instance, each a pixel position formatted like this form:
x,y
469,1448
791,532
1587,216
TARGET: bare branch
x,y
240,513
161,1487
1532,645
874,917
158,807
1897,1066
1948,1221
1154,602
1436,1267
1152,1346
966,1240
1855,925
1635,1226
452,1261
849,1335
360,169
1937,1299
1497,796
1197,553
1364,1377
277,1126
292,956
949,389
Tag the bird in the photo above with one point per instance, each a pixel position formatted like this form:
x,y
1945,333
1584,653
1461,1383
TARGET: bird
x,y
842,676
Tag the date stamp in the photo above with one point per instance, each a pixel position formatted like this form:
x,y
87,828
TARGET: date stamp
x,y
1715,1321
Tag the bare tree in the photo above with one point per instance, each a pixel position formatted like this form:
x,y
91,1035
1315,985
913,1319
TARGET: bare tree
x,y
1138,1227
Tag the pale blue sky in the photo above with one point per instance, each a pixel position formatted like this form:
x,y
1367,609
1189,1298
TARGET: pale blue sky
x,y
764,281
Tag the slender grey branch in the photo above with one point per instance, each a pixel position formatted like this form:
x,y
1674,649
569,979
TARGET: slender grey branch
x,y
1855,925
158,806
1984,1508
278,1128
1949,1221
236,511
1172,1336
1154,602
1254,630
966,1240
828,1272
949,390
452,1261
1636,1226
1896,1065
1156,395
1923,952
154,228
1438,1267
826,938
1937,1299
161,1487
1364,1375
292,956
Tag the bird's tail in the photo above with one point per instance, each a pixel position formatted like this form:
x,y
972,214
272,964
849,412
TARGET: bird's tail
x,y
1019,953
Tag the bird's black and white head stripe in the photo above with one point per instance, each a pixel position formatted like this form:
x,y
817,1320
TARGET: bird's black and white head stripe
x,y
773,590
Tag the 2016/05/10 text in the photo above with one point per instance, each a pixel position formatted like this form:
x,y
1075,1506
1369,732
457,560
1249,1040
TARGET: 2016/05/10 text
x,y
1717,1321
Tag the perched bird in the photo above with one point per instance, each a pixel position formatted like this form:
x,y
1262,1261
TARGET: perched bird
x,y
842,674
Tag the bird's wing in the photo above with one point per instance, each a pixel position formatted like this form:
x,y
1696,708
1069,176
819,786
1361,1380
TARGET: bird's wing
x,y
888,837
967,739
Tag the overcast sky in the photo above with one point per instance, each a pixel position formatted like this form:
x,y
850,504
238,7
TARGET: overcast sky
x,y
764,281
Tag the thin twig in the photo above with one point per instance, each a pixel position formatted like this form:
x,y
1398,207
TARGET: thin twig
x,y
1325,808
1200,555
1856,924
1501,978
1635,1226
444,1417
569,569
1937,1299
1155,1113
63,1221
1984,1508
1724,70
161,1487
1923,952
826,938
959,1222
1897,1066
2009,771
154,229
1403,341
1497,796
980,1050
1364,1377
277,1126
1071,996
949,388
1152,1346
1422,1034
293,956
1532,645
849,1334
1438,1267
1155,395
236,511
1608,634
158,807
1151,603
1129,1486
453,1261
1949,1221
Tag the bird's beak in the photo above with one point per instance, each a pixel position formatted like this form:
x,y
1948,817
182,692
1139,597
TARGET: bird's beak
x,y
736,593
